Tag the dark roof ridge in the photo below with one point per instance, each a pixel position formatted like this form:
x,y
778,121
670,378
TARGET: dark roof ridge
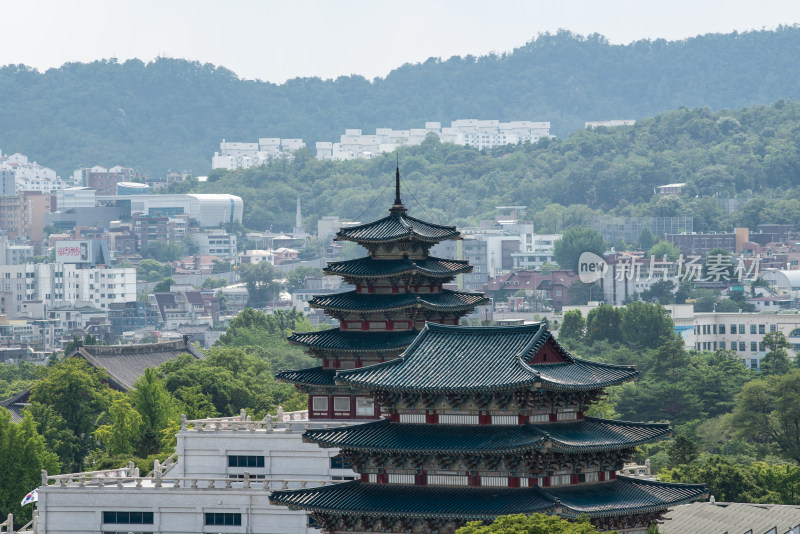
x,y
627,423
516,328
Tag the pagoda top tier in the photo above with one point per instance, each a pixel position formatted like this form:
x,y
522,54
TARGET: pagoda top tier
x,y
398,226
461,359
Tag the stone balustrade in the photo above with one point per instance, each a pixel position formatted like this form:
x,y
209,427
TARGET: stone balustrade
x,y
83,480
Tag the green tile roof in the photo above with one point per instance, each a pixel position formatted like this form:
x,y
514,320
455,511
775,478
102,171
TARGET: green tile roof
x,y
626,495
354,341
314,376
371,268
396,227
581,436
623,496
445,301
460,359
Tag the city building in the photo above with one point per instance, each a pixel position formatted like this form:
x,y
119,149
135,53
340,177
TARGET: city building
x,y
218,480
237,155
132,316
55,284
482,134
398,287
483,422
671,190
696,244
216,243
740,332
609,124
627,229
535,250
209,210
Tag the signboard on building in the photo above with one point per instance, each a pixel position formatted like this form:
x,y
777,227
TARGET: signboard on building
x,y
74,251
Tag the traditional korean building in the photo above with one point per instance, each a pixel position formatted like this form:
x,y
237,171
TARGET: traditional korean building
x,y
483,422
398,288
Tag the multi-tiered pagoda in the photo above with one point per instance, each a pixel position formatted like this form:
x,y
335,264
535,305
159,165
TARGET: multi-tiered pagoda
x,y
398,288
483,422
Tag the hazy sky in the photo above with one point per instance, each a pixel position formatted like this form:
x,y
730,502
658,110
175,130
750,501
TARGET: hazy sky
x,y
277,40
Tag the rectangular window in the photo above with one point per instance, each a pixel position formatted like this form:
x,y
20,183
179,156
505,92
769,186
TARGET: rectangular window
x,y
741,329
223,519
339,463
752,329
320,404
365,406
715,329
733,329
722,345
762,329
722,329
245,461
760,346
753,346
127,518
741,346
754,363
773,328
341,404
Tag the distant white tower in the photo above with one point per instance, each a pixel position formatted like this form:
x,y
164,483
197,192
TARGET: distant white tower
x,y
298,222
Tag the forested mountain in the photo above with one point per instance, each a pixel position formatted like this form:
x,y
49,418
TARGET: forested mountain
x,y
752,153
173,113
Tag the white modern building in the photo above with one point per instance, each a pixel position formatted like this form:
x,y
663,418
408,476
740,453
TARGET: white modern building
x,y
210,210
534,249
220,482
470,132
59,283
740,332
216,243
237,155
75,197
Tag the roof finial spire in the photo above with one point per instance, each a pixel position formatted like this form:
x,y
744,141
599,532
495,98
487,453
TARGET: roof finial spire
x,y
398,203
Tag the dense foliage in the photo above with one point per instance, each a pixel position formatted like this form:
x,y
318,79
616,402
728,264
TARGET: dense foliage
x,y
172,113
752,154
532,524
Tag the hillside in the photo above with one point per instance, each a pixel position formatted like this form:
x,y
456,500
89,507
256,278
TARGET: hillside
x,y
172,113
752,153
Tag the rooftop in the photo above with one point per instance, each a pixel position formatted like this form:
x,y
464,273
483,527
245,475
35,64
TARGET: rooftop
x,y
395,227
622,496
458,359
447,300
588,435
372,268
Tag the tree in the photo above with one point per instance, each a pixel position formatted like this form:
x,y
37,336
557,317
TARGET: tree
x,y
603,322
582,293
726,481
768,410
157,409
682,450
23,455
776,360
718,266
77,395
164,285
261,280
664,248
660,292
190,246
532,524
646,239
213,283
645,325
119,437
573,327
575,242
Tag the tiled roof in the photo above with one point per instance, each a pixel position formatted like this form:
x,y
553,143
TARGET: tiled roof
x,y
733,517
582,436
621,497
126,363
456,358
371,268
445,301
314,376
354,341
395,227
